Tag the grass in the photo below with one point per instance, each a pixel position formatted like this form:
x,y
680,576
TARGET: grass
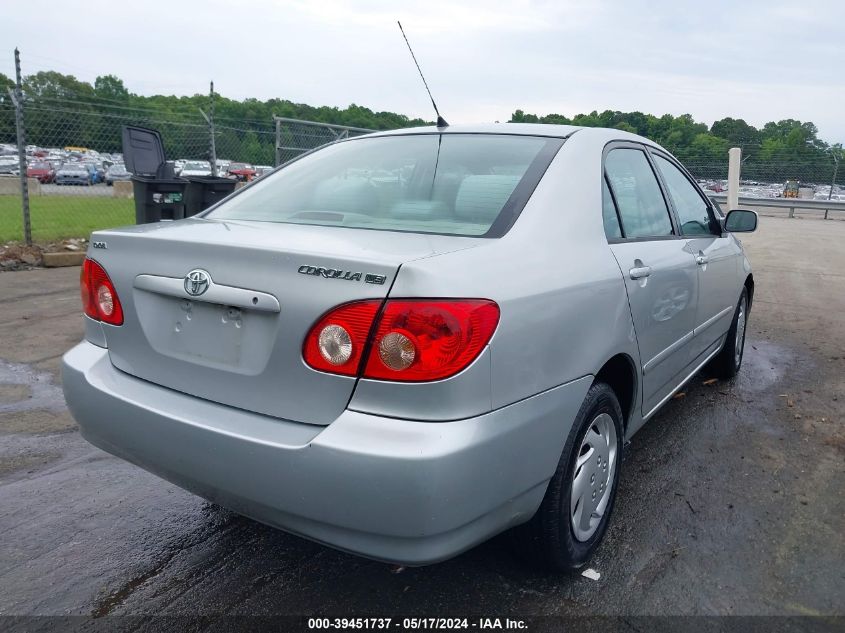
x,y
57,217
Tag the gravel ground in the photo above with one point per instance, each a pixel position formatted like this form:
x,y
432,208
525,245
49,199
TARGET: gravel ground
x,y
730,500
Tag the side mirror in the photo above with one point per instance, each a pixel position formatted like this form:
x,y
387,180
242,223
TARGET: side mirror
x,y
741,221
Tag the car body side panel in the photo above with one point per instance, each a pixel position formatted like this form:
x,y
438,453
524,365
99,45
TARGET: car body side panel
x,y
461,396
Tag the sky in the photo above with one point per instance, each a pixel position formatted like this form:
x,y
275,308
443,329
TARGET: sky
x,y
759,61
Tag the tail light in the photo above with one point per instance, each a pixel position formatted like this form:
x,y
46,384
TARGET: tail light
x,y
337,341
99,298
413,340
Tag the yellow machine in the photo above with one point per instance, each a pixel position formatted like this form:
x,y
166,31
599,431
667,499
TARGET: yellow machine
x,y
790,189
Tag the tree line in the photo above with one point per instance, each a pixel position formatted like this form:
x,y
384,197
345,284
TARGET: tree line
x,y
61,110
779,150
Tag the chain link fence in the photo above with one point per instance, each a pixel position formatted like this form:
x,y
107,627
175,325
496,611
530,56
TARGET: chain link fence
x,y
772,174
74,158
84,136
295,137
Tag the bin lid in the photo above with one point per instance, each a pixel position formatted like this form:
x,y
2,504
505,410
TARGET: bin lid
x,y
143,151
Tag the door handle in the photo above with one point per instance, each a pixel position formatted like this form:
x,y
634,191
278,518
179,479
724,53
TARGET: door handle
x,y
640,272
701,259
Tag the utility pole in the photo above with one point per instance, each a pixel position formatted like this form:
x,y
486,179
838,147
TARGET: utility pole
x,y
209,118
17,100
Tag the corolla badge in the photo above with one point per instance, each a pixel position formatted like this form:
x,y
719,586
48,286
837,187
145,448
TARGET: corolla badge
x,y
197,282
336,273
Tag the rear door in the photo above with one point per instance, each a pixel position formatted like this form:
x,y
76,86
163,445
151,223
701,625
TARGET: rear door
x,y
659,270
715,254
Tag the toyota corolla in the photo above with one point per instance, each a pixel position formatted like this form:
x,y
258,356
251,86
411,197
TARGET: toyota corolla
x,y
405,343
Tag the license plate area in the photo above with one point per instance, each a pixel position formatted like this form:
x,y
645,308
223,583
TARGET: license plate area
x,y
207,331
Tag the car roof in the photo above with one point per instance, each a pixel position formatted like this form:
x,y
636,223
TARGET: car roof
x,y
598,134
523,129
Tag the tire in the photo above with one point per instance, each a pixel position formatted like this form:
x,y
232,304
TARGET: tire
x,y
727,363
551,539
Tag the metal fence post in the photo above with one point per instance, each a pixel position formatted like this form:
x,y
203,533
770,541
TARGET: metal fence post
x,y
213,148
17,100
734,162
833,181
278,140
209,119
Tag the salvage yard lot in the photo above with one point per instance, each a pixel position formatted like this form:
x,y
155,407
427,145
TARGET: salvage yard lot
x,y
63,216
730,499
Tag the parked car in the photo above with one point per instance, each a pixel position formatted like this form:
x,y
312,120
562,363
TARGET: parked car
x,y
404,366
117,172
73,174
262,170
196,168
241,171
9,165
96,172
42,171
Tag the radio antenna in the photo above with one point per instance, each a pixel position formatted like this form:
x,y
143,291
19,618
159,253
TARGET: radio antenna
x,y
441,122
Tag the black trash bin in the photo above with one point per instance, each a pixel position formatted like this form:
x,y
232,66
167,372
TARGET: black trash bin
x,y
204,191
159,194
158,199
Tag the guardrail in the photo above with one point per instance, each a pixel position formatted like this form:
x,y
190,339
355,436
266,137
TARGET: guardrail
x,y
786,203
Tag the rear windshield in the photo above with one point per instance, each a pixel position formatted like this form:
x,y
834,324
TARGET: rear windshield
x,y
453,184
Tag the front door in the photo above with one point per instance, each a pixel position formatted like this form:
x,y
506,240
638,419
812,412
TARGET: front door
x,y
716,255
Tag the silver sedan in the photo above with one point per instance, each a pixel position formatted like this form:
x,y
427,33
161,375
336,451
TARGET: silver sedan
x,y
402,344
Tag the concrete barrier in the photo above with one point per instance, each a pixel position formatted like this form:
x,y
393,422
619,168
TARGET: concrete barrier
x,y
122,189
11,186
59,260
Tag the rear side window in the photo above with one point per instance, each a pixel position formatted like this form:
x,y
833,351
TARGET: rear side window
x,y
608,212
693,214
642,209
454,184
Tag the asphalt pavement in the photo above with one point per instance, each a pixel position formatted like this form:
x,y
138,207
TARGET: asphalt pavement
x,y
730,502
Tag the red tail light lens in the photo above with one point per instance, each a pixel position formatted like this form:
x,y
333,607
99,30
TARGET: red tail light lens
x,y
419,339
336,342
99,298
415,340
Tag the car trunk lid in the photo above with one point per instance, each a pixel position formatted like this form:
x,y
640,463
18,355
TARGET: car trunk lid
x,y
239,343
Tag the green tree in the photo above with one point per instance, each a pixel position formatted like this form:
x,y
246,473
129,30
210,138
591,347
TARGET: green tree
x,y
111,88
625,127
251,149
51,84
7,111
5,84
736,131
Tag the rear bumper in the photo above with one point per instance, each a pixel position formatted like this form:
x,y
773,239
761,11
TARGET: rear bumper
x,y
394,490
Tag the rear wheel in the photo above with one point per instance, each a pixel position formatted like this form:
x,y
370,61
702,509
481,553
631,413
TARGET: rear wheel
x,y
729,360
574,514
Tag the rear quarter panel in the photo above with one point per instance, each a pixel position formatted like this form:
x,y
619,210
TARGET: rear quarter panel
x,y
564,310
